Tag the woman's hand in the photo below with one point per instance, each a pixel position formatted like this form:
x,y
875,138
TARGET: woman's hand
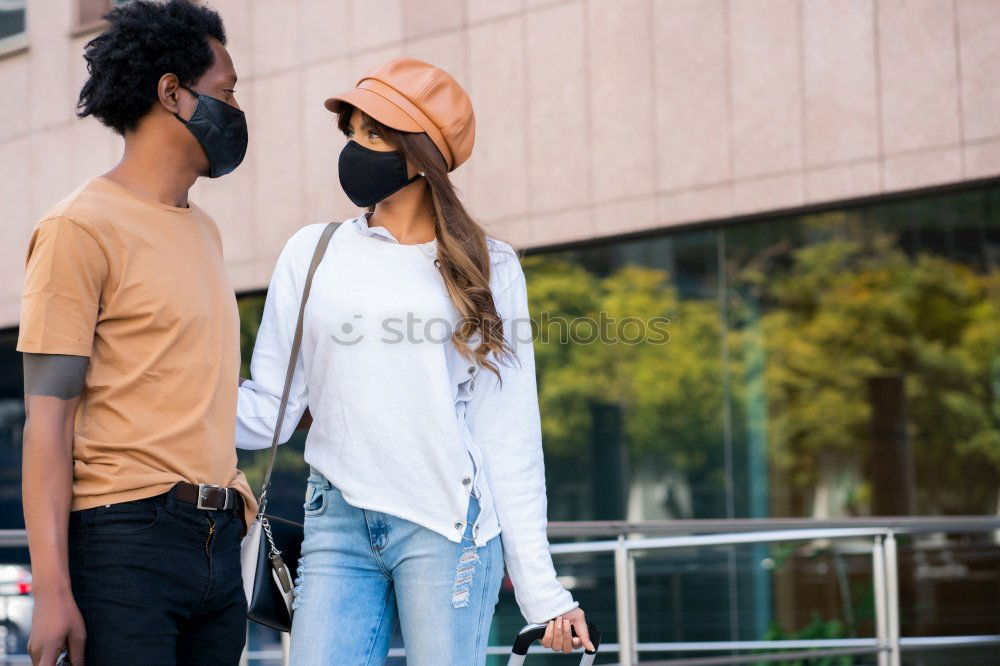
x,y
559,632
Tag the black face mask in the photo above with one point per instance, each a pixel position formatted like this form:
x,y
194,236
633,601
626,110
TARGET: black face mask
x,y
368,176
222,132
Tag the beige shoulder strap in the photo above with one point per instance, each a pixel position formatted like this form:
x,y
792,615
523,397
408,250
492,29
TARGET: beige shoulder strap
x,y
324,242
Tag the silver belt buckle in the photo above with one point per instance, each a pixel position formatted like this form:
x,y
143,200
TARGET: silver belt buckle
x,y
201,496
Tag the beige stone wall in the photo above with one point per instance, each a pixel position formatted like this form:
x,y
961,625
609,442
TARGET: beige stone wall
x,y
595,117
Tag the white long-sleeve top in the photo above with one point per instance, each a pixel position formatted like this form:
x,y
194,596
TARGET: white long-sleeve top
x,y
402,423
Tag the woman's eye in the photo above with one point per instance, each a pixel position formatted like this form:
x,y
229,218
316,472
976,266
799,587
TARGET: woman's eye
x,y
372,134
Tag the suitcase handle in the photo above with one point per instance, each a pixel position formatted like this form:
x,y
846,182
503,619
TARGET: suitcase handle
x,y
533,632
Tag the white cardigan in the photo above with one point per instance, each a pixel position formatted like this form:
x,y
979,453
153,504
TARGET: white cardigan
x,y
401,422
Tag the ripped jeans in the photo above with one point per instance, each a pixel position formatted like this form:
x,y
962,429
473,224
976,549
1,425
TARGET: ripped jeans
x,y
363,571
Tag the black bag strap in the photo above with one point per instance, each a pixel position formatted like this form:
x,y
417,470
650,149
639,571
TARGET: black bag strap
x,y
324,241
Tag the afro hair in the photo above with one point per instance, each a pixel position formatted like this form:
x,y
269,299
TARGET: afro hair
x,y
143,41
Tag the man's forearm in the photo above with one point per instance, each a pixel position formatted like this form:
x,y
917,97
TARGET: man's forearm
x,y
47,489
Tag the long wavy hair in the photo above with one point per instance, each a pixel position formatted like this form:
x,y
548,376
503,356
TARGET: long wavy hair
x,y
463,257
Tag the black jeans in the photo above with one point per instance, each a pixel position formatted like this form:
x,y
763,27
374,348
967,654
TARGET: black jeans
x,y
158,581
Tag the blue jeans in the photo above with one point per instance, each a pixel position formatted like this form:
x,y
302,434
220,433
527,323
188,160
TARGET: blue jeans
x,y
158,583
363,571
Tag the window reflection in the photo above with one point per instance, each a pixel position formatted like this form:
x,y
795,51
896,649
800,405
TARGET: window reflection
x,y
834,364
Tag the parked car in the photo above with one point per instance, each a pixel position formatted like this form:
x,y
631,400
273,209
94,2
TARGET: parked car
x,y
16,605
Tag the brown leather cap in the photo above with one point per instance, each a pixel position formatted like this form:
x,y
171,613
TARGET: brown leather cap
x,y
414,96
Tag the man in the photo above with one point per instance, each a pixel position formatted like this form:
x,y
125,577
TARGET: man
x,y
132,500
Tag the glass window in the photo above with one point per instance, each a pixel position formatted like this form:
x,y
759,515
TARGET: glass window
x,y
832,364
12,20
826,365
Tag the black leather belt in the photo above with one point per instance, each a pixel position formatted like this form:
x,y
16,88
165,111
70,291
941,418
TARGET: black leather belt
x,y
209,496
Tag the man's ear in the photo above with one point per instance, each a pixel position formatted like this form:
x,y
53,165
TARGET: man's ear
x,y
168,91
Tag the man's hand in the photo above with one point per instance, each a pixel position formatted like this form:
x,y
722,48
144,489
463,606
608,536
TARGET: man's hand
x,y
56,624
558,632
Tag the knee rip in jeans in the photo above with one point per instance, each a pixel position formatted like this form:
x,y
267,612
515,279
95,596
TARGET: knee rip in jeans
x,y
463,576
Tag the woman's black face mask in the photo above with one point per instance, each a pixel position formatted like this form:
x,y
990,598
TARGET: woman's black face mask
x,y
368,176
221,130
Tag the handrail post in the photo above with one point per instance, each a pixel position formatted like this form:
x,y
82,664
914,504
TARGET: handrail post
x,y
623,603
892,596
879,590
633,606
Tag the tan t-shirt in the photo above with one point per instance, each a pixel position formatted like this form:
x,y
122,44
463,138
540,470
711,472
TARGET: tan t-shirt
x,y
140,287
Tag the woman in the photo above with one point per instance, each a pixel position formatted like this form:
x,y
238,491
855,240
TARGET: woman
x,y
417,368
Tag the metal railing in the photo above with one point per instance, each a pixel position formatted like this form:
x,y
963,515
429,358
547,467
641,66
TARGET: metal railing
x,y
881,534
887,644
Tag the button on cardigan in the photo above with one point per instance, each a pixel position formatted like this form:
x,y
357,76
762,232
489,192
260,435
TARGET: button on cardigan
x,y
402,423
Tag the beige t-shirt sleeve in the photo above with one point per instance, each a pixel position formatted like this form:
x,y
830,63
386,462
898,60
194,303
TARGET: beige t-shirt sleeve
x,y
66,271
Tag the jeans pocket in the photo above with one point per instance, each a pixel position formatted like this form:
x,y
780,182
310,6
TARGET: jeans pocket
x,y
126,517
315,504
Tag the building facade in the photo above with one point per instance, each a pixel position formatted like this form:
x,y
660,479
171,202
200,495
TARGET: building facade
x,y
809,190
